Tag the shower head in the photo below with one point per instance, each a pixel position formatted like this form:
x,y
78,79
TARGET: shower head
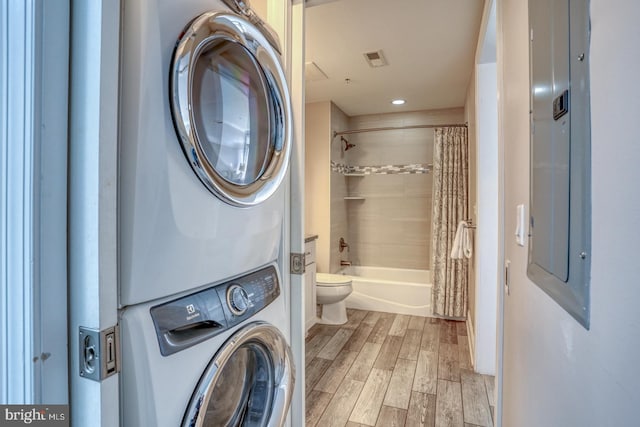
x,y
347,144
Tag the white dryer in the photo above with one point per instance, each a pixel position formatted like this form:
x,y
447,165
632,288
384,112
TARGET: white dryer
x,y
205,137
215,357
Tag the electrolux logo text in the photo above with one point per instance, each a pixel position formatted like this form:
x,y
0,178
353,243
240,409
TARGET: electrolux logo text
x,y
37,415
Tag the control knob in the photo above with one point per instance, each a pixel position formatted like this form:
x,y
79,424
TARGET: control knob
x,y
237,300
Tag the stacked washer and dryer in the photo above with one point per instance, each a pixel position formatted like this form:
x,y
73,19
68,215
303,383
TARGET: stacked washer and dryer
x,y
204,148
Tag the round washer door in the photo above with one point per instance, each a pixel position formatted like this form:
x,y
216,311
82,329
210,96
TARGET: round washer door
x,y
231,107
248,383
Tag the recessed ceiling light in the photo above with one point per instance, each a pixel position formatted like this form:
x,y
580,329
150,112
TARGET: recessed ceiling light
x,y
398,101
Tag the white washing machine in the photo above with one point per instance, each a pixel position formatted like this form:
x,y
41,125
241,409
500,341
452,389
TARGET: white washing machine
x,y
215,357
205,136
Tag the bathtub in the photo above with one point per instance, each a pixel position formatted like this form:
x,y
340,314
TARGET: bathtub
x,y
393,290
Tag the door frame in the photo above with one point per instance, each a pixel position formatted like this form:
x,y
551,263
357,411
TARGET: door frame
x,y
34,76
93,178
294,56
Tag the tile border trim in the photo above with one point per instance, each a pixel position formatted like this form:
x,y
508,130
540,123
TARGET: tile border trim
x,y
410,169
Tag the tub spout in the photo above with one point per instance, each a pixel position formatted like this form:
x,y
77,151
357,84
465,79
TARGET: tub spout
x,y
345,263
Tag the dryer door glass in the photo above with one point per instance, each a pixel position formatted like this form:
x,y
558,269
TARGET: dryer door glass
x,y
231,108
232,111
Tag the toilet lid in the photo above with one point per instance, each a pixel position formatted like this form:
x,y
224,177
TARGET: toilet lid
x,y
326,279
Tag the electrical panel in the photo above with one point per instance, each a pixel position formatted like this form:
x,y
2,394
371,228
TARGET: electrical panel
x,y
560,208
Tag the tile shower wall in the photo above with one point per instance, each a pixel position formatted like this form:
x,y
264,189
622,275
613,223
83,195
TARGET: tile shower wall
x,y
339,121
391,226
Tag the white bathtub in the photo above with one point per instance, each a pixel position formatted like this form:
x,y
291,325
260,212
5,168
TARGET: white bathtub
x,y
393,290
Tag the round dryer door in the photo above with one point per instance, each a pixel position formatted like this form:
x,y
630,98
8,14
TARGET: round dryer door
x,y
248,383
231,107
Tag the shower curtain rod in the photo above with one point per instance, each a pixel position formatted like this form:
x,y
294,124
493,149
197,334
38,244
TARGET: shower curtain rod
x,y
348,132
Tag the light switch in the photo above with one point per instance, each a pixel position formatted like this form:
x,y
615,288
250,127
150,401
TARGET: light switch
x,y
520,225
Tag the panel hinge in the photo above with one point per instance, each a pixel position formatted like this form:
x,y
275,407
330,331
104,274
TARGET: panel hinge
x,y
297,263
99,352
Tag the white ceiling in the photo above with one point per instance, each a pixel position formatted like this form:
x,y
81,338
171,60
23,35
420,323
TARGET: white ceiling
x,y
429,45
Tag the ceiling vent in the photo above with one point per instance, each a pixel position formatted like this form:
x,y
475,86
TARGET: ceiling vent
x,y
313,73
375,59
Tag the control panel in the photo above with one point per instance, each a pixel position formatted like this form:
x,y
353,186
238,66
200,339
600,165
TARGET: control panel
x,y
247,295
189,320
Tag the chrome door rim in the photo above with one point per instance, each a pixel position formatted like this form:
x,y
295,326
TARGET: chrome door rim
x,y
205,29
272,340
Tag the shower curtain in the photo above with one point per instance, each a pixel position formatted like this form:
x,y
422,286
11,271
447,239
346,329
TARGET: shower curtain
x,y
450,206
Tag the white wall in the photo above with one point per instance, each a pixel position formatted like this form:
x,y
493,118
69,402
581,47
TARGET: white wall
x,y
487,226
483,314
556,373
470,118
317,178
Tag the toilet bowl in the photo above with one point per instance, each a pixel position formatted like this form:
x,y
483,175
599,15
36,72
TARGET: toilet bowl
x,y
331,291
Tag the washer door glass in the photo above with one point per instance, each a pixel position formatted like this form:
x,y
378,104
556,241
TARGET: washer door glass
x,y
232,111
231,108
243,393
248,383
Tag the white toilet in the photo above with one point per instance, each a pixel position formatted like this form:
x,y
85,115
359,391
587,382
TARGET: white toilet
x,y
331,290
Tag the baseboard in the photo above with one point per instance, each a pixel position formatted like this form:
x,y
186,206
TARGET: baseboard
x,y
309,324
472,339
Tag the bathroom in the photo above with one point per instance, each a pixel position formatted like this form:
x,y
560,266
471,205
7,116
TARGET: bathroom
x,y
374,336
373,188
374,341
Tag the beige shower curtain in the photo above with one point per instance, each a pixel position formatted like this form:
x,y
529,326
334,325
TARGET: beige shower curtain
x,y
450,206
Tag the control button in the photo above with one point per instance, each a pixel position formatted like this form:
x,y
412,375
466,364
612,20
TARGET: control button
x,y
237,300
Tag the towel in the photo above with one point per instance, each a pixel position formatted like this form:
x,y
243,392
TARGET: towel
x,y
461,242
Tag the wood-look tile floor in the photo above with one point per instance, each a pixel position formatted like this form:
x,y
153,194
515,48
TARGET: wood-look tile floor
x,y
383,369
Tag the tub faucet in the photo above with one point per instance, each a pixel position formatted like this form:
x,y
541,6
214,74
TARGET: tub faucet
x,y
343,245
345,263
